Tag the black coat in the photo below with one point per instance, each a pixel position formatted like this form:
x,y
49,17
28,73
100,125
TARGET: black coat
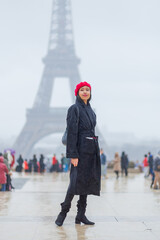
x,y
124,161
41,162
81,122
150,161
20,161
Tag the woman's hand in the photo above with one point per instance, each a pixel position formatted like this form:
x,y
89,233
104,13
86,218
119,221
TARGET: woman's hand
x,y
74,161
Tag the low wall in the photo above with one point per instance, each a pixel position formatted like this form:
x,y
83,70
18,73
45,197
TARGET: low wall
x,y
130,170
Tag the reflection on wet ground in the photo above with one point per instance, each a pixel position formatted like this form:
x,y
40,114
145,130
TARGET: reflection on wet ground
x,y
126,209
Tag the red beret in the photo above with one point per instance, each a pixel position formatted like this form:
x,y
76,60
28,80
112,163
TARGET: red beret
x,y
81,84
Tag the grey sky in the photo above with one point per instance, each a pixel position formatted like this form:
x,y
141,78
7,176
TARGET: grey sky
x,y
119,45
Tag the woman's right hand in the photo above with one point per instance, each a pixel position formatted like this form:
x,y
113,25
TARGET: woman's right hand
x,y
74,161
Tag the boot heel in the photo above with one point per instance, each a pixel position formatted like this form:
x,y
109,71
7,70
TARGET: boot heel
x,y
77,221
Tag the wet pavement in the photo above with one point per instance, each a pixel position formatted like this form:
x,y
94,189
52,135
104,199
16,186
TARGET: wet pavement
x,y
127,209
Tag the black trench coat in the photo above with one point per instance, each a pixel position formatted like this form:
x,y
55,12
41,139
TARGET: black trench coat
x,y
81,122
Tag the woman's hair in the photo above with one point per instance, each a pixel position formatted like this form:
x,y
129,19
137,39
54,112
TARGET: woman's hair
x,y
116,154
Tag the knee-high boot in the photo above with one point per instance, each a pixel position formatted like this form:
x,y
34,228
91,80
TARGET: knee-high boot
x,y
65,207
81,209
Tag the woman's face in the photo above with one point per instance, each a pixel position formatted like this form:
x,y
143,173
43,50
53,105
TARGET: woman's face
x,y
84,93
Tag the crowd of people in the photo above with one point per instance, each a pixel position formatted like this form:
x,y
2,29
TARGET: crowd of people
x,y
42,164
120,164
6,163
36,165
150,165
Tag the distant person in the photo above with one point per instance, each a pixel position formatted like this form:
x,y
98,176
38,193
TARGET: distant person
x,y
103,164
62,162
65,163
54,166
156,168
26,167
8,176
20,161
3,172
145,165
150,162
30,164
35,166
124,164
117,164
9,157
151,171
41,163
6,161
48,165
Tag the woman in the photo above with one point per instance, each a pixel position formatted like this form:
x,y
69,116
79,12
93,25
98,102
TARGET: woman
x,y
3,172
83,149
117,164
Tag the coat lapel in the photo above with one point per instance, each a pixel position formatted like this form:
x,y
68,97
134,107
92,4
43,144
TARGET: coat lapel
x,y
89,113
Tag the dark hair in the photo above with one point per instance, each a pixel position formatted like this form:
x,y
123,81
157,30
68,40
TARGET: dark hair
x,y
145,155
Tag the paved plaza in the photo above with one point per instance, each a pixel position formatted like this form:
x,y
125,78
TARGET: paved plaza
x,y
127,209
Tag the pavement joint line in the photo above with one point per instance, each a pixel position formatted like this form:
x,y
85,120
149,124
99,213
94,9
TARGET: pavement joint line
x,y
49,219
21,191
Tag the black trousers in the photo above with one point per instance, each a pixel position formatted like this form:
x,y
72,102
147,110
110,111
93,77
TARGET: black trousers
x,y
117,173
126,171
69,197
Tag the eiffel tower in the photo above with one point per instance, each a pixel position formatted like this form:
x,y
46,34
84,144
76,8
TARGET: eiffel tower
x,y
60,62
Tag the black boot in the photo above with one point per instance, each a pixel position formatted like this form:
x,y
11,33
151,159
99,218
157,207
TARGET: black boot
x,y
81,205
65,209
62,215
151,184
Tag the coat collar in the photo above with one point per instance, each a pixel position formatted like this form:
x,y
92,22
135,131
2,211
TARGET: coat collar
x,y
79,101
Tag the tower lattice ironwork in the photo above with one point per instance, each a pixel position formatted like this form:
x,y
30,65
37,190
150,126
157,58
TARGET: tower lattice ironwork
x,y
60,62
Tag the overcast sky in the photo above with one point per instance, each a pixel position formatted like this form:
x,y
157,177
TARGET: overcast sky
x,y
118,42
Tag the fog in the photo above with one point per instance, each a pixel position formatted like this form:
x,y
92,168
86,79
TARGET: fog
x,y
118,43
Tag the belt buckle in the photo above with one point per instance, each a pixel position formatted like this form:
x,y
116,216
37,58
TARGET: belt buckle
x,y
91,138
